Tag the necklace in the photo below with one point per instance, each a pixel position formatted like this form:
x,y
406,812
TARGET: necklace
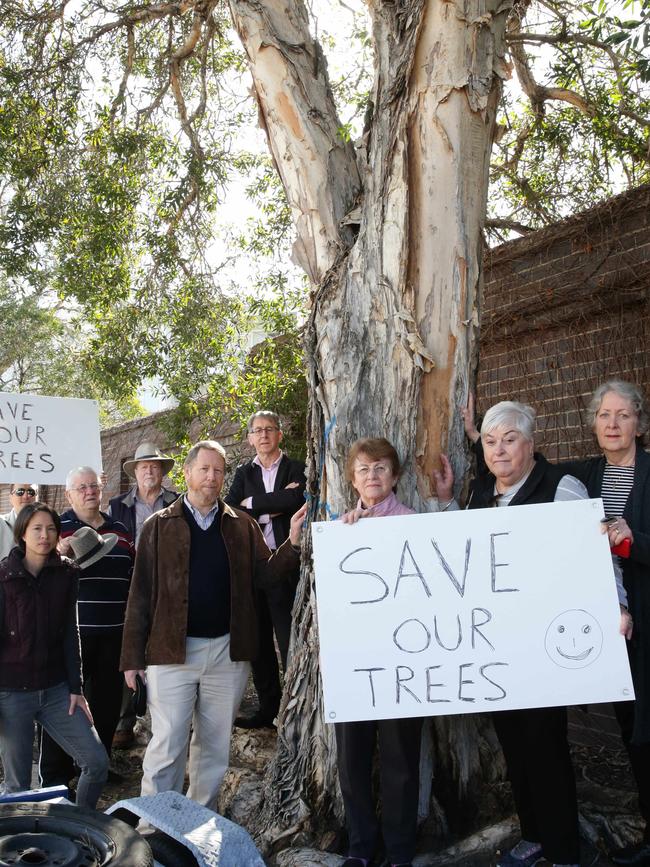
x,y
616,479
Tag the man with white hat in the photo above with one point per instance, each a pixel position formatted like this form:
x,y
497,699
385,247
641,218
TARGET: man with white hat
x,y
148,467
147,496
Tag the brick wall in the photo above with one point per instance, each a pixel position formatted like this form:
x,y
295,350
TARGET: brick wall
x,y
564,309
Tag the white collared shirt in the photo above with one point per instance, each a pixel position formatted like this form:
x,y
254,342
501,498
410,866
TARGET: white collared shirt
x,y
204,521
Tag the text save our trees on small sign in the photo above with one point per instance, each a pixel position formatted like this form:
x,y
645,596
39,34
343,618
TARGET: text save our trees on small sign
x,y
42,438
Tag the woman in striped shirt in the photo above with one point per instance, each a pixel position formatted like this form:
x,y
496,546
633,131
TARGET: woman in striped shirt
x,y
621,476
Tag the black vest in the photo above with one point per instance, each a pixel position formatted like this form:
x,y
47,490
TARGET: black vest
x,y
539,487
208,604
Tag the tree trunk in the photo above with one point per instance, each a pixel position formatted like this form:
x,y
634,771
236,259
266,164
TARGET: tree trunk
x,y
392,337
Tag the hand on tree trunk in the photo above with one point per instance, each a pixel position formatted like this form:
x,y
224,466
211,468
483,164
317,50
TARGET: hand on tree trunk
x,y
469,419
443,480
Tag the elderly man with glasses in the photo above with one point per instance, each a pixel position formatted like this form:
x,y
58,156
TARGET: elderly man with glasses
x,y
19,496
103,591
271,489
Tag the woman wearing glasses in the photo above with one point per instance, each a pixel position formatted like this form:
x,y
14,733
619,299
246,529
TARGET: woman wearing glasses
x,y
40,666
20,495
373,469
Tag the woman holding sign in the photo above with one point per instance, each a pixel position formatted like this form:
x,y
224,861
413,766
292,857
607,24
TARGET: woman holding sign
x,y
534,741
619,418
40,662
373,469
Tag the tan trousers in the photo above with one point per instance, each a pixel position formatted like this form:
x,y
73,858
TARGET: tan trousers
x,y
203,693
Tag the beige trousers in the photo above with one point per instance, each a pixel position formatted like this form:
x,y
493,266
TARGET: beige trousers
x,y
204,694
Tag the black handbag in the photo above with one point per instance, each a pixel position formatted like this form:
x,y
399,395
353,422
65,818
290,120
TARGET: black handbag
x,y
139,697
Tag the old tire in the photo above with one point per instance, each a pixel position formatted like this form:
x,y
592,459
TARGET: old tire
x,y
53,829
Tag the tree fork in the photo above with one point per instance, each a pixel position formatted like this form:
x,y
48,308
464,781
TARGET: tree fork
x,y
392,337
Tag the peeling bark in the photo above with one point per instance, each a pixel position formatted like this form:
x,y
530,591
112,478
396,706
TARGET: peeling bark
x,y
317,167
392,338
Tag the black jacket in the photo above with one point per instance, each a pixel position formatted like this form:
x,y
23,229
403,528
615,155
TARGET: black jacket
x,y
39,637
122,508
636,573
539,487
247,482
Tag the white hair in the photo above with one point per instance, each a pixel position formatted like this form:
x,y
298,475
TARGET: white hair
x,y
78,471
512,414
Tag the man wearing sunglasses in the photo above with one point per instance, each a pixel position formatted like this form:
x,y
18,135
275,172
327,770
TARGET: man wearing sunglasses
x,y
20,495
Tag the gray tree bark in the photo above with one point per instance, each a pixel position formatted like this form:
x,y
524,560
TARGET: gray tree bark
x,y
390,235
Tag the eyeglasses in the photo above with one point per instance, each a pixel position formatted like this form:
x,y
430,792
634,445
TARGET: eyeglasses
x,y
258,431
375,469
93,486
21,492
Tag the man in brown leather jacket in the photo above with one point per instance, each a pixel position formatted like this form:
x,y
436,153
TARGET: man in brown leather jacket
x,y
191,625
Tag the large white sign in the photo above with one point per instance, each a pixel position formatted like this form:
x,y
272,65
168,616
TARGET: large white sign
x,y
460,612
42,438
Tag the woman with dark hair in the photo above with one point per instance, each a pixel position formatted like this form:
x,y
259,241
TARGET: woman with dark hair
x,y
373,469
40,662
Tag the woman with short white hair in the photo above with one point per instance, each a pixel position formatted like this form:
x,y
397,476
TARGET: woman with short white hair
x,y
534,740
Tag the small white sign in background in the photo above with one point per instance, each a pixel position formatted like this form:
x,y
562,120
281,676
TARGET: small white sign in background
x,y
460,612
42,438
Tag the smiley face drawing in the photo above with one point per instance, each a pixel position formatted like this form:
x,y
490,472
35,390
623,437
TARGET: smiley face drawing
x,y
574,639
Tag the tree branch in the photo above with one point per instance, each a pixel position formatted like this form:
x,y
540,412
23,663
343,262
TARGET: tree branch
x,y
507,223
317,166
521,38
128,68
177,58
539,94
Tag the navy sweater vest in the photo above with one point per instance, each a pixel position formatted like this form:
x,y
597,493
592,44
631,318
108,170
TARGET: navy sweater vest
x,y
208,614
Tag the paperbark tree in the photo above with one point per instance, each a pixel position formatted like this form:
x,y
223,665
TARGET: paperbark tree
x,y
103,204
390,237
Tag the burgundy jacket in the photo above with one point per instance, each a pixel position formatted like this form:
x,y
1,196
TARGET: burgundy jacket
x,y
156,613
39,636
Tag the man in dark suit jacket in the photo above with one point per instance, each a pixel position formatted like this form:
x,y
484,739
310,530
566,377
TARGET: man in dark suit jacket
x,y
271,489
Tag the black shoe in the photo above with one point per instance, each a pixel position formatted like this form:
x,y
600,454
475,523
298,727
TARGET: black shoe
x,y
636,855
257,721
